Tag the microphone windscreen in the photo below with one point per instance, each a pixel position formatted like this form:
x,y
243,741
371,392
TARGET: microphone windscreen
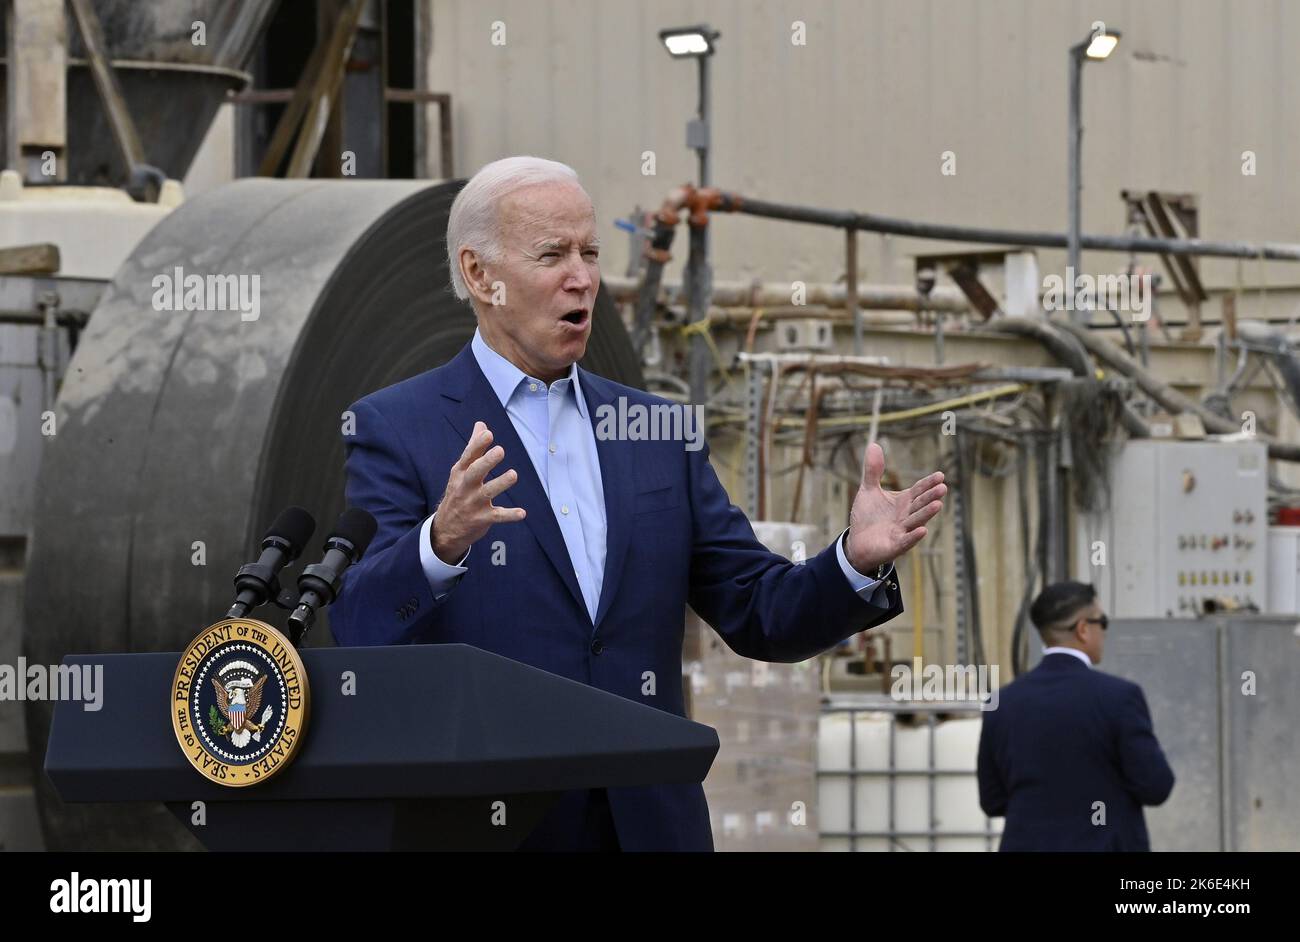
x,y
295,526
357,527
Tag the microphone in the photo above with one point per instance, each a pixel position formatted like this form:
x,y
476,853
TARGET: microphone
x,y
257,582
318,584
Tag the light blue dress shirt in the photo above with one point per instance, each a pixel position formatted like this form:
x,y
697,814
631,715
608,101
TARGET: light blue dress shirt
x,y
553,424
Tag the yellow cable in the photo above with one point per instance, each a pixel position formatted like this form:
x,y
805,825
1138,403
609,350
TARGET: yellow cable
x,y
994,393
702,327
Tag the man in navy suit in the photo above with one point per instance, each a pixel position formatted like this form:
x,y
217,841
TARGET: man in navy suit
x,y
515,516
1069,755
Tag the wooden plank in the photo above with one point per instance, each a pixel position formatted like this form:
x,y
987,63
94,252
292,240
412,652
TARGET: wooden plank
x,y
110,92
291,118
41,258
325,90
37,94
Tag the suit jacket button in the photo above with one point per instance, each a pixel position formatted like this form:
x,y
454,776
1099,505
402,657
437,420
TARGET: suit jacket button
x,y
597,646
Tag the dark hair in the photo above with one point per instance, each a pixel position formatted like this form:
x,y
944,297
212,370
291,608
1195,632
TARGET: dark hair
x,y
1057,604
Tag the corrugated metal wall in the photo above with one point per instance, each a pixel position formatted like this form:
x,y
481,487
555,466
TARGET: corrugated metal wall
x,y
861,116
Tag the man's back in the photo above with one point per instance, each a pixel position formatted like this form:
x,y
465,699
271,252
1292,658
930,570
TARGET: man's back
x,y
1069,757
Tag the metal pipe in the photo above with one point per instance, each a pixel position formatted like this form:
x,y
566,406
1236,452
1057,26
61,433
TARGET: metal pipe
x,y
1166,395
771,316
645,291
699,271
47,359
703,150
959,497
1075,175
753,433
851,287
697,277
1064,468
777,294
870,222
1066,350
62,318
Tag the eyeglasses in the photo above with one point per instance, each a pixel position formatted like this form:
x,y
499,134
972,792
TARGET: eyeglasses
x,y
1103,621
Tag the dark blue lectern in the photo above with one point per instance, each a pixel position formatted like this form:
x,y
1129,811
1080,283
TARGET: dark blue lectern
x,y
436,745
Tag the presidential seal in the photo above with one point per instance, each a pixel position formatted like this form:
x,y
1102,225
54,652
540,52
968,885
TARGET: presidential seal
x,y
240,702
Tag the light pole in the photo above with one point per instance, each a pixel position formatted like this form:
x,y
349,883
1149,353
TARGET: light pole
x,y
1099,45
696,42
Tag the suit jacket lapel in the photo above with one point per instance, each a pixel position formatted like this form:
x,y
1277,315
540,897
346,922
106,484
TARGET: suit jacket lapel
x,y
618,482
468,398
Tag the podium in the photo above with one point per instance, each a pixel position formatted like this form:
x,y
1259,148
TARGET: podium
x,y
417,747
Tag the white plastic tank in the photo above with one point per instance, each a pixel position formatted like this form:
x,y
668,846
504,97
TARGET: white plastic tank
x,y
935,797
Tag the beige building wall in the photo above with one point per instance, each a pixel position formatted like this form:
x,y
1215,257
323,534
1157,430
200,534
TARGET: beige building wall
x,y
861,116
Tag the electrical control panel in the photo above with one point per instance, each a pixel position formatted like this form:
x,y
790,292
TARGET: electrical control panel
x,y
1187,531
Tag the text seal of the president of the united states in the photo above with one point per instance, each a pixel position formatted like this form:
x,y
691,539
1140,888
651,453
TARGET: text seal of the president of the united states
x,y
240,702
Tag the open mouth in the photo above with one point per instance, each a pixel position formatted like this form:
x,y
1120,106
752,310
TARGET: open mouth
x,y
577,317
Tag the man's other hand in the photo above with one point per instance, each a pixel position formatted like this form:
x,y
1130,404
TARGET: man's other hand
x,y
883,525
466,511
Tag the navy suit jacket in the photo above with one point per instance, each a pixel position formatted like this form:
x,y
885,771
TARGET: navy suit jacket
x,y
1063,737
673,538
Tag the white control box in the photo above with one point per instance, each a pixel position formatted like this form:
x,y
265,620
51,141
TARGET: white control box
x,y
1187,531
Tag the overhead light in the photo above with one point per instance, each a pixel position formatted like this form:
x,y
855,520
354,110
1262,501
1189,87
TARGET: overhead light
x,y
689,40
1102,45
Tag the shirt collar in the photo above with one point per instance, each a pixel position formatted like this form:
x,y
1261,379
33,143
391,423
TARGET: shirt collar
x,y
504,377
1074,651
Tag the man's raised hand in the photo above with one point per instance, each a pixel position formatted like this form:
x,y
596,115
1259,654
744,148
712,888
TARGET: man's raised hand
x,y
883,525
466,511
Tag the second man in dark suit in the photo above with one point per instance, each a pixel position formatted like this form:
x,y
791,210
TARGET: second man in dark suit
x,y
1069,756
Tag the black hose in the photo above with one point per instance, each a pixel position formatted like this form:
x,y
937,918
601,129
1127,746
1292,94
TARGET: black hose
x,y
647,298
1071,352
1033,570
965,480
1128,338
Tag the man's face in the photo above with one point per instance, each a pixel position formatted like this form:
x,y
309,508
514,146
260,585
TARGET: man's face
x,y
548,273
1093,635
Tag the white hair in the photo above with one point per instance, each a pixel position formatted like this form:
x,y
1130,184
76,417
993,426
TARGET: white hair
x,y
474,221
